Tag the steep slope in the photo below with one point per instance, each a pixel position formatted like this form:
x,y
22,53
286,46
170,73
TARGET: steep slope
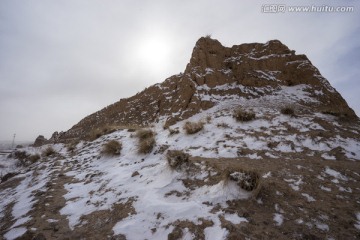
x,y
216,73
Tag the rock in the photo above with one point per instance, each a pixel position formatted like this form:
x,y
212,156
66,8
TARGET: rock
x,y
40,140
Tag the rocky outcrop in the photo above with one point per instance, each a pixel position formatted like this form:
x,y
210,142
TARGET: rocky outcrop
x,y
213,71
40,140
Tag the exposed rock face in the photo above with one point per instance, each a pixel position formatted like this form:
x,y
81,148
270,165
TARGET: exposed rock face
x,y
40,140
214,72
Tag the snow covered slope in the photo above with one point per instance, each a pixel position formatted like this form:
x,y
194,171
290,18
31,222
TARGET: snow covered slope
x,y
308,165
250,142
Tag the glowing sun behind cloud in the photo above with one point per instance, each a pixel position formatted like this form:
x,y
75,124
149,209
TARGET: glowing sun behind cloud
x,y
153,52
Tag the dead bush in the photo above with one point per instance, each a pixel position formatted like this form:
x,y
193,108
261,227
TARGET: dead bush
x,y
173,131
20,155
288,111
177,158
100,131
146,140
112,148
193,127
144,134
222,125
242,115
34,158
272,145
247,180
49,151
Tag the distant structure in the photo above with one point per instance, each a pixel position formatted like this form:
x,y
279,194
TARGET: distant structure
x,y
13,141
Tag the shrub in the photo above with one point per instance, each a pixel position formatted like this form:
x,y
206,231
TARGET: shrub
x,y
243,116
34,158
222,125
48,151
146,140
193,127
20,155
288,111
100,131
177,158
173,131
272,145
112,148
247,180
146,145
144,134
71,147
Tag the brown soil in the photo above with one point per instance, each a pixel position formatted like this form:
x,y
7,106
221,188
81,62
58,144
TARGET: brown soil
x,y
335,208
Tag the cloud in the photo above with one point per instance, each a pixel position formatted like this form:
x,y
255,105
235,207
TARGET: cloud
x,y
63,60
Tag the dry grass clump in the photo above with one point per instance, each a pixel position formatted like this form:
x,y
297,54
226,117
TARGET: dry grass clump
x,y
25,158
20,155
146,140
173,131
112,148
223,125
288,111
272,144
177,158
49,151
98,132
242,115
144,134
247,180
193,127
34,158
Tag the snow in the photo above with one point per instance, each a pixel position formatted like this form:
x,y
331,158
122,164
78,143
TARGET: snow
x,y
279,219
335,174
266,175
215,232
234,218
328,157
325,188
102,182
308,197
357,224
15,233
322,226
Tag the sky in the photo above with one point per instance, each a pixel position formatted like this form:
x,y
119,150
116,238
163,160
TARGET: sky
x,y
63,60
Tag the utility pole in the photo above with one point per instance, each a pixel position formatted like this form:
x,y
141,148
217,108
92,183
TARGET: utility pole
x,y
12,145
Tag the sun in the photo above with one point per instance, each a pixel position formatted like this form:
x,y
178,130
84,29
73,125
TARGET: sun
x,y
154,53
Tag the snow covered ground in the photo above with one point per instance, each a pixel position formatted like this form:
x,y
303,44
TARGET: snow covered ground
x,y
160,200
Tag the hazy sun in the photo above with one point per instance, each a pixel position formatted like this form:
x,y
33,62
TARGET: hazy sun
x,y
154,52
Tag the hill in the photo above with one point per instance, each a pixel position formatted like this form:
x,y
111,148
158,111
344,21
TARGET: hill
x,y
250,142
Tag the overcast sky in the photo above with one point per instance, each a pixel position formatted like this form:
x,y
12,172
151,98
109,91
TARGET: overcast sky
x,y
63,60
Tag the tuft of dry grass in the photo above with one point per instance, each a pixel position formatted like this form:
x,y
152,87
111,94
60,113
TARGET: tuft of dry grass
x,y
173,131
98,132
144,134
49,151
146,140
245,179
112,148
177,158
34,158
242,115
288,111
193,127
223,125
272,144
